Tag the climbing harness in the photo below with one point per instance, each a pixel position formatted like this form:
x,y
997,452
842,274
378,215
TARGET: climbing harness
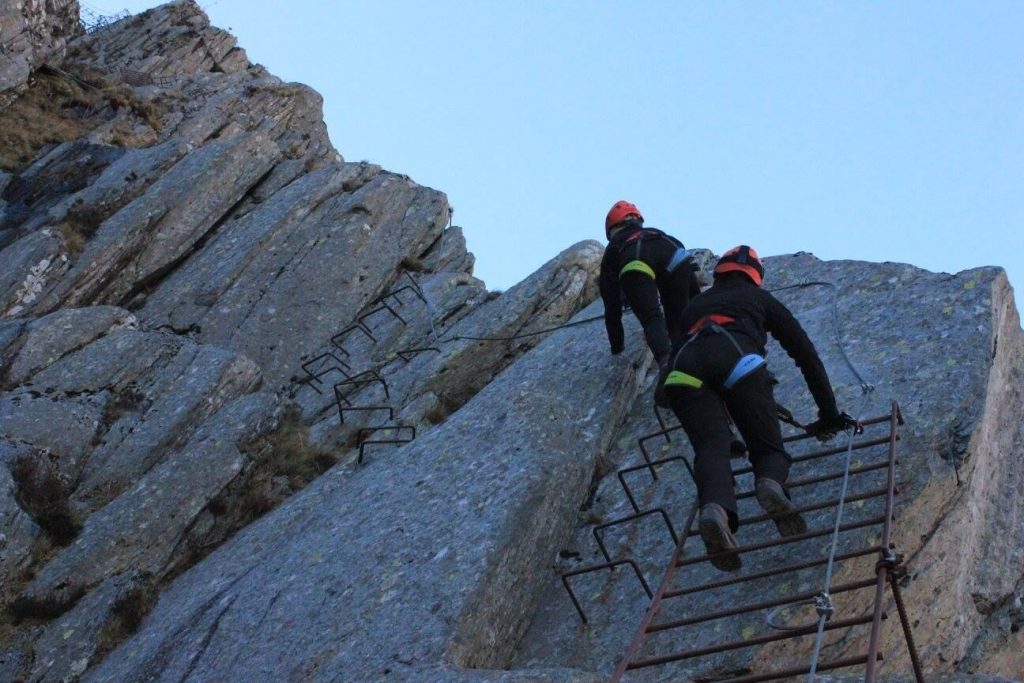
x,y
747,363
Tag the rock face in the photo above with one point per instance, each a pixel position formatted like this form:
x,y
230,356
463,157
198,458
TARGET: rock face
x,y
32,31
258,420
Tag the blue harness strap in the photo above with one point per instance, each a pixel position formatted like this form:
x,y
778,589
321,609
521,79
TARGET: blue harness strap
x,y
680,255
744,367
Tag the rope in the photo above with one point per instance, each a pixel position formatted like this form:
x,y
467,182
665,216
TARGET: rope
x,y
864,384
457,337
525,334
823,602
824,605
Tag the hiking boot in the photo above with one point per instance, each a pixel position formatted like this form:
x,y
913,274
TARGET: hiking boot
x,y
660,395
718,540
775,502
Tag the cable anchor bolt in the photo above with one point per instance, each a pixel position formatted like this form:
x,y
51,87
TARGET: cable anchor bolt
x,y
823,605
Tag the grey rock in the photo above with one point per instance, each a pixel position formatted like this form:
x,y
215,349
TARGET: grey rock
x,y
449,253
77,638
31,264
315,267
440,585
165,42
10,332
476,336
62,430
114,361
149,236
49,338
33,31
18,532
205,379
142,529
35,196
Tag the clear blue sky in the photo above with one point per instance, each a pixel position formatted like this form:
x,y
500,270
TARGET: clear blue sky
x,y
861,130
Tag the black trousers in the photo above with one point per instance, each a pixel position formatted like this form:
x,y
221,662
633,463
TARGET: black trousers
x,y
658,305
702,413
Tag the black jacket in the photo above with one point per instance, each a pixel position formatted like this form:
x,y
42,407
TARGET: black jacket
x,y
637,243
756,312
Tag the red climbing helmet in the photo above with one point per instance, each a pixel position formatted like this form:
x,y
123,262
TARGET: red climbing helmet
x,y
743,259
620,211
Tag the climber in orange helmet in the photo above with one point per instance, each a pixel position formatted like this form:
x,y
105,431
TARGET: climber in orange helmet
x,y
720,371
655,274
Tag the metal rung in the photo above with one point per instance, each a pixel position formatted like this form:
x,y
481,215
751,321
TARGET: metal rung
x,y
643,449
785,569
384,306
748,642
796,483
371,430
766,604
800,670
810,507
622,520
786,540
829,451
598,567
359,380
409,354
626,470
336,340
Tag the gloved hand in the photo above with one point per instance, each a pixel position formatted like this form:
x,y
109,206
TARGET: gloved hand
x,y
825,428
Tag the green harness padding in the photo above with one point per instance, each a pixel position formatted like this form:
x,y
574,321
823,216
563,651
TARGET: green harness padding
x,y
678,378
638,266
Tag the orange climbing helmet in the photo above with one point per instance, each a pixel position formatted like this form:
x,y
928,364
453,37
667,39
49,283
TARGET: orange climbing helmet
x,y
744,260
620,211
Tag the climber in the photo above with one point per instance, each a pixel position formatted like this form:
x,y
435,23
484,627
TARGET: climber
x,y
721,367
645,265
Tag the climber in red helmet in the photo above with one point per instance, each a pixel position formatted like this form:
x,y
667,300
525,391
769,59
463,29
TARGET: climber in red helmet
x,y
655,274
720,367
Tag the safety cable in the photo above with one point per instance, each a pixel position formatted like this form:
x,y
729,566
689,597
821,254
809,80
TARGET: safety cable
x,y
865,386
524,334
823,602
457,337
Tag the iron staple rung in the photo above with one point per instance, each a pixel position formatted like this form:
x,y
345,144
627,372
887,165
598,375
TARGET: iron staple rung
x,y
816,533
826,452
766,604
801,670
838,474
749,642
786,569
629,518
810,507
607,565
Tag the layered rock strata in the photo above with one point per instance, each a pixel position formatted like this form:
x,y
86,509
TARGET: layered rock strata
x,y
208,318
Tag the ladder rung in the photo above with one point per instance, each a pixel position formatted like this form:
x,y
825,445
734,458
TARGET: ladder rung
x,y
810,507
788,539
749,642
766,604
799,671
786,569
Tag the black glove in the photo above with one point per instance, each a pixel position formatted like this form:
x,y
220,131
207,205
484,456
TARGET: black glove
x,y
825,428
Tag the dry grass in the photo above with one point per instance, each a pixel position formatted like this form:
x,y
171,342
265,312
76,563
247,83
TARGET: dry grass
x,y
57,108
44,496
127,614
51,111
